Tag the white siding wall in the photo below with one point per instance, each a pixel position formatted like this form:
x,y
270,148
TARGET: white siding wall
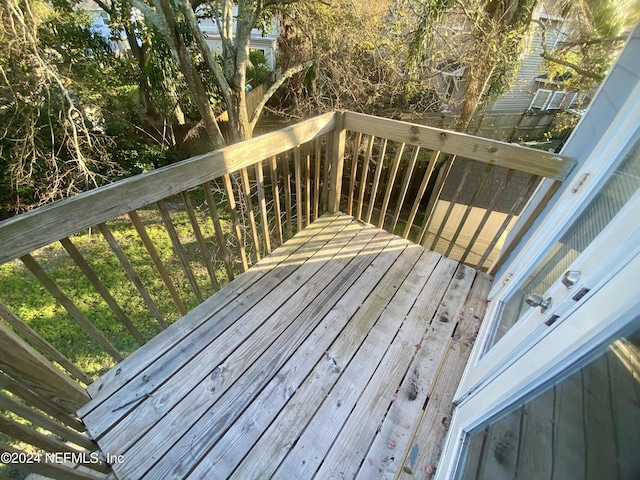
x,y
519,97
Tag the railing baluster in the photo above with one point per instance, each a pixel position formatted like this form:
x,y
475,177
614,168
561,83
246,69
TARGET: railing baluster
x,y
307,185
262,205
42,421
22,362
153,253
363,176
41,402
423,186
48,444
390,183
246,190
41,344
405,186
69,306
298,179
443,174
316,179
235,221
328,152
376,179
287,196
217,226
494,200
524,194
99,286
353,177
276,197
452,203
204,250
179,249
131,273
470,206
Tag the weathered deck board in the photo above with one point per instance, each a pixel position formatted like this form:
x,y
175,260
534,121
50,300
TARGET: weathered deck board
x,y
296,369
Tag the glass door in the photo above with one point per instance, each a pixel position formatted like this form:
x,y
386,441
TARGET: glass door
x,y
570,259
583,424
568,407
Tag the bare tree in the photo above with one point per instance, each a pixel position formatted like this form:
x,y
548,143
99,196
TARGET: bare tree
x,y
173,18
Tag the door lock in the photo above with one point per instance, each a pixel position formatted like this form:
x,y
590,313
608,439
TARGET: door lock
x,y
536,300
570,278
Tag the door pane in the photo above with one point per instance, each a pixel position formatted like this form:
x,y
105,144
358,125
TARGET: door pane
x,y
615,193
582,426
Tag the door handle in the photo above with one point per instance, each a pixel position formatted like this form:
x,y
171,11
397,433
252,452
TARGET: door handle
x,y
536,300
570,278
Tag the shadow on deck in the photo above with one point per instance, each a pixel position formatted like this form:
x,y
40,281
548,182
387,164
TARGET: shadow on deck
x,y
336,356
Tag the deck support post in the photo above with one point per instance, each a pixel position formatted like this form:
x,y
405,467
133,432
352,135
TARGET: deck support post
x,y
338,141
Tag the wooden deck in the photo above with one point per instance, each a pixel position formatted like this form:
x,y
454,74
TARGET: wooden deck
x,y
334,357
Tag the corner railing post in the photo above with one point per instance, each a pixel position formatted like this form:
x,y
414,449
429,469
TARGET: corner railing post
x,y
338,141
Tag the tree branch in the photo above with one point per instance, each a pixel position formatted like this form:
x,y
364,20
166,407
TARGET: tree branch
x,y
273,88
586,73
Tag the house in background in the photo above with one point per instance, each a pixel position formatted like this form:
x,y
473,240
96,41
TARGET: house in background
x,y
265,42
532,89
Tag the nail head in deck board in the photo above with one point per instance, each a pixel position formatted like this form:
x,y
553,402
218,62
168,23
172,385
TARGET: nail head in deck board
x,y
508,155
163,357
265,352
240,352
67,217
141,359
247,429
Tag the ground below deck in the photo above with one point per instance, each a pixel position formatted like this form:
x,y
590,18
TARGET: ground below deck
x,y
335,357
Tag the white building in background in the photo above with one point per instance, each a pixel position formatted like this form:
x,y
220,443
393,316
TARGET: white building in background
x,y
267,44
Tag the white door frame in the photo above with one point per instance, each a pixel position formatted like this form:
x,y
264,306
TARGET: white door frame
x,y
587,328
480,369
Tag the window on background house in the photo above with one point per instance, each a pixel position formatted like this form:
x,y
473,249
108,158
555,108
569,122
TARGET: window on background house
x,y
540,99
556,100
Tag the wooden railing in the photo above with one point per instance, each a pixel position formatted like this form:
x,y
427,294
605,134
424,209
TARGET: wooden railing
x,y
220,213
452,193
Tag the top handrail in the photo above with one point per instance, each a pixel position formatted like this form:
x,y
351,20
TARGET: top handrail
x,y
535,162
27,232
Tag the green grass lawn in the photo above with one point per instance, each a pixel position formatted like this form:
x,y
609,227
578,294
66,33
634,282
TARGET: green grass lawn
x,y
27,298
21,292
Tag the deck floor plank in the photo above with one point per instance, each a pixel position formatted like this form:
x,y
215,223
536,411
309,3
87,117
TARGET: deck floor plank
x,y
279,438
207,376
243,434
328,419
168,356
291,370
422,453
310,239
385,454
282,334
